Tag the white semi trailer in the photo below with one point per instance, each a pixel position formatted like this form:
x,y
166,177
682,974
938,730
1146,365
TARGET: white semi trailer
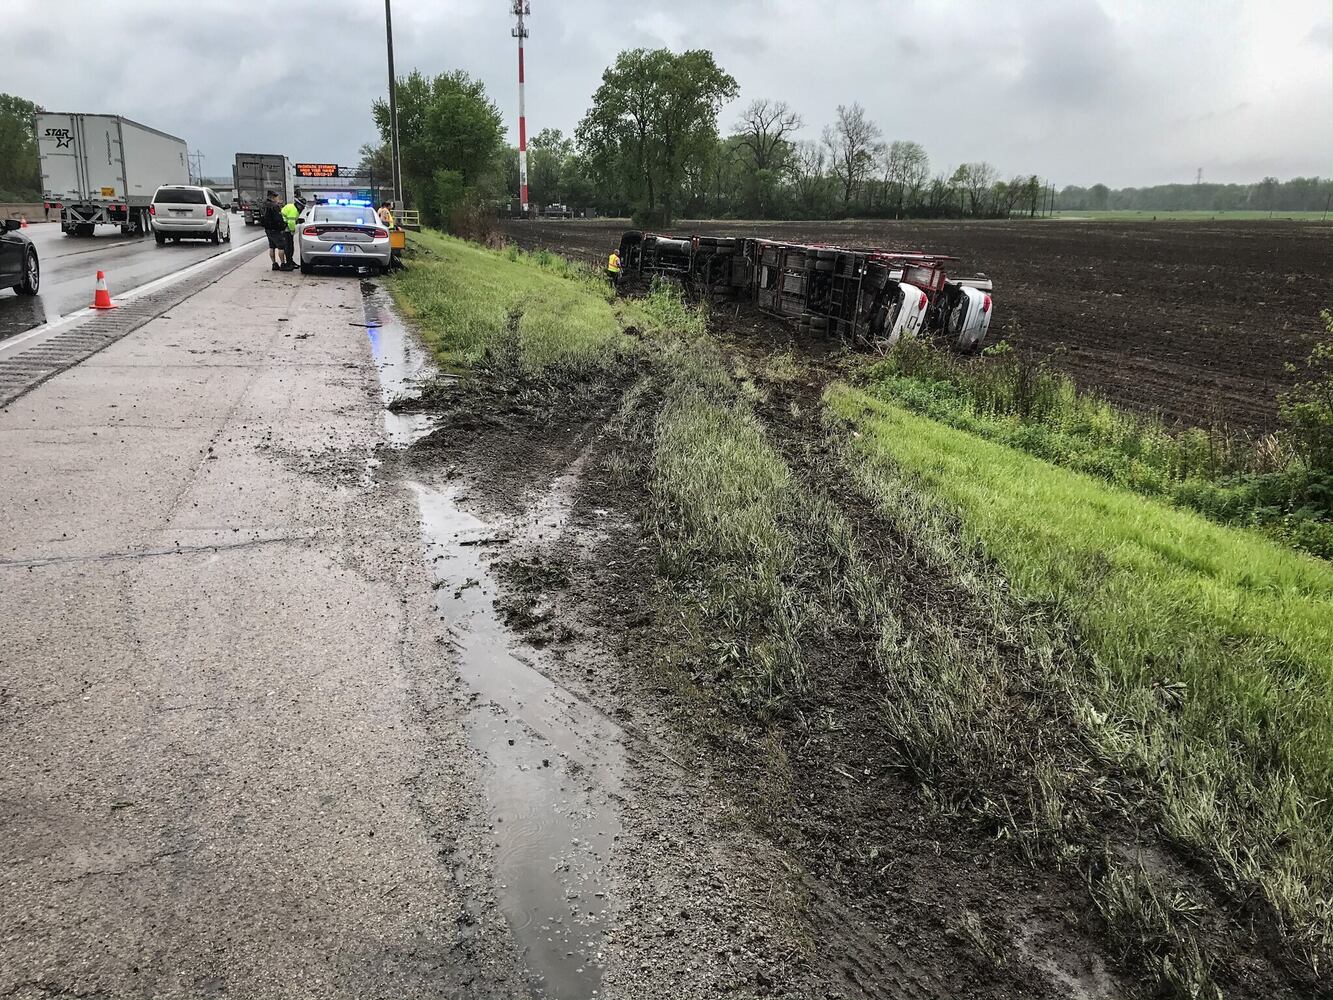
x,y
102,170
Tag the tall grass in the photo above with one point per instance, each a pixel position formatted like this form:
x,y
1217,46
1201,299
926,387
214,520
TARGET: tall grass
x,y
1228,477
722,500
1212,649
466,300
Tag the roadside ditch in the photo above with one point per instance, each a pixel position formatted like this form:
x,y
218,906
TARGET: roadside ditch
x,y
654,834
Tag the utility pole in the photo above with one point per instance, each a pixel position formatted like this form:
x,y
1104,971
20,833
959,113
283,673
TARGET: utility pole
x,y
521,9
393,115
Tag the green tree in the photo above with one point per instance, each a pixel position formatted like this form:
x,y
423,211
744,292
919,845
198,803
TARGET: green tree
x,y
547,153
20,176
449,131
654,112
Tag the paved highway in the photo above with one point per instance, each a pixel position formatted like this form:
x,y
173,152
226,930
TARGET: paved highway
x,y
70,265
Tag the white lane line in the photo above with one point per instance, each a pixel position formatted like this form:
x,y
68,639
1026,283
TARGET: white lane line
x,y
13,345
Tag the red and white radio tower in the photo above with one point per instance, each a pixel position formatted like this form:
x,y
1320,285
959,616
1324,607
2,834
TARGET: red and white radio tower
x,y
521,9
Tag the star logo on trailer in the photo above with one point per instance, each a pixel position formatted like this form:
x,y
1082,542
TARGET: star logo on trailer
x,y
63,141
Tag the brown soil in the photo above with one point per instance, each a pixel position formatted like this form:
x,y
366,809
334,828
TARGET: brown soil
x,y
1193,321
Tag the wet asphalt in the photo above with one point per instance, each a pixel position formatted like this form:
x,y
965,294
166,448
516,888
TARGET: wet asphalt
x,y
70,265
233,759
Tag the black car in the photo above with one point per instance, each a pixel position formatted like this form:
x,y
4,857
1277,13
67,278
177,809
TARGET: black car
x,y
19,268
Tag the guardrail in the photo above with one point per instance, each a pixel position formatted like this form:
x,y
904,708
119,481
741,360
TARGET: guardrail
x,y
409,218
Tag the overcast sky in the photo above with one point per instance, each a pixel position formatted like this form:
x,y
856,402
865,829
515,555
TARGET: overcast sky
x,y
1128,92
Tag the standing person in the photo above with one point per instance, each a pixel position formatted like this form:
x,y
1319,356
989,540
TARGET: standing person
x,y
276,230
386,215
613,268
290,215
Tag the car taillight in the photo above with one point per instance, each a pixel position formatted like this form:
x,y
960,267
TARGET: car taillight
x,y
152,209
381,234
208,212
921,304
985,304
309,231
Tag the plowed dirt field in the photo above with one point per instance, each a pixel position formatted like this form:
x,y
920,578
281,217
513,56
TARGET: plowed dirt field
x,y
1194,321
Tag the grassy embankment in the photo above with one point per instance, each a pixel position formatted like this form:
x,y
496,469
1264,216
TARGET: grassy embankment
x,y
1263,483
466,300
1209,650
1202,675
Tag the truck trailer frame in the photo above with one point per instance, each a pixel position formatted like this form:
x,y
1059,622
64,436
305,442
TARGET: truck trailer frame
x,y
867,296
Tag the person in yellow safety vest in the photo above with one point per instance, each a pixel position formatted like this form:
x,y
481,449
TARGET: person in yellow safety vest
x,y
290,213
386,215
613,267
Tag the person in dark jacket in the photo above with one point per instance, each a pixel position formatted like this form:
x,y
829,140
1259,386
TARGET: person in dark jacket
x,y
275,226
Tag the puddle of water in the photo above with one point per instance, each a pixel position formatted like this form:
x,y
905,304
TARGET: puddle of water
x,y
553,764
402,365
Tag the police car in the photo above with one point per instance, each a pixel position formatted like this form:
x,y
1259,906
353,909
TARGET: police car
x,y
343,233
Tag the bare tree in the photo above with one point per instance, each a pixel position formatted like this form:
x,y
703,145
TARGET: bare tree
x,y
807,172
906,167
1031,194
763,128
976,181
851,141
1014,192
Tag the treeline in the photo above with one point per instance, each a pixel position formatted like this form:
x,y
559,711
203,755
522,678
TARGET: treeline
x,y
1300,194
650,147
20,176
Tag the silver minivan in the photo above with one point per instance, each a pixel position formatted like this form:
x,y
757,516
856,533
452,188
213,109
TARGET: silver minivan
x,y
186,211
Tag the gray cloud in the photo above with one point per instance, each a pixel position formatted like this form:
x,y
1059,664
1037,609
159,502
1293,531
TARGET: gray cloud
x,y
1122,91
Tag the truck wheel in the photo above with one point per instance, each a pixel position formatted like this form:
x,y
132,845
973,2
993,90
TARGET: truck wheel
x,y
161,240
32,275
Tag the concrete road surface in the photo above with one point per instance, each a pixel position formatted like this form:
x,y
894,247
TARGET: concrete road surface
x,y
232,760
70,265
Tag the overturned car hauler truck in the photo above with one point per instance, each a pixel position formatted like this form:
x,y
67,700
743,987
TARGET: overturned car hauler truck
x,y
102,170
868,297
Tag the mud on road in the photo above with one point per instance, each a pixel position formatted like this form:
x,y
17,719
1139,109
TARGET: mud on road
x,y
1194,321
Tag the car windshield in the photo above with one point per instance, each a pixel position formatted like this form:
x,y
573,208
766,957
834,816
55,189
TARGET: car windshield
x,y
179,196
342,213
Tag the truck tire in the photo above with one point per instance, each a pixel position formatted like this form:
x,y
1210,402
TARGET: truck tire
x,y
32,275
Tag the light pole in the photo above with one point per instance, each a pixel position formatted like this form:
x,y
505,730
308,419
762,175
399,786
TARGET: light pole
x,y
393,115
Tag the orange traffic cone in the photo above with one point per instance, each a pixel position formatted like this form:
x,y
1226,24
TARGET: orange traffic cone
x,y
23,220
102,297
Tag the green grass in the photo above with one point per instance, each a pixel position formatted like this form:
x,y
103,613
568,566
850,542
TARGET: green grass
x,y
1228,477
1211,648
466,300
1240,215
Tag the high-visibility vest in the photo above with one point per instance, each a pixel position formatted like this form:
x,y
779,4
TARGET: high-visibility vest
x,y
613,263
386,217
290,213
